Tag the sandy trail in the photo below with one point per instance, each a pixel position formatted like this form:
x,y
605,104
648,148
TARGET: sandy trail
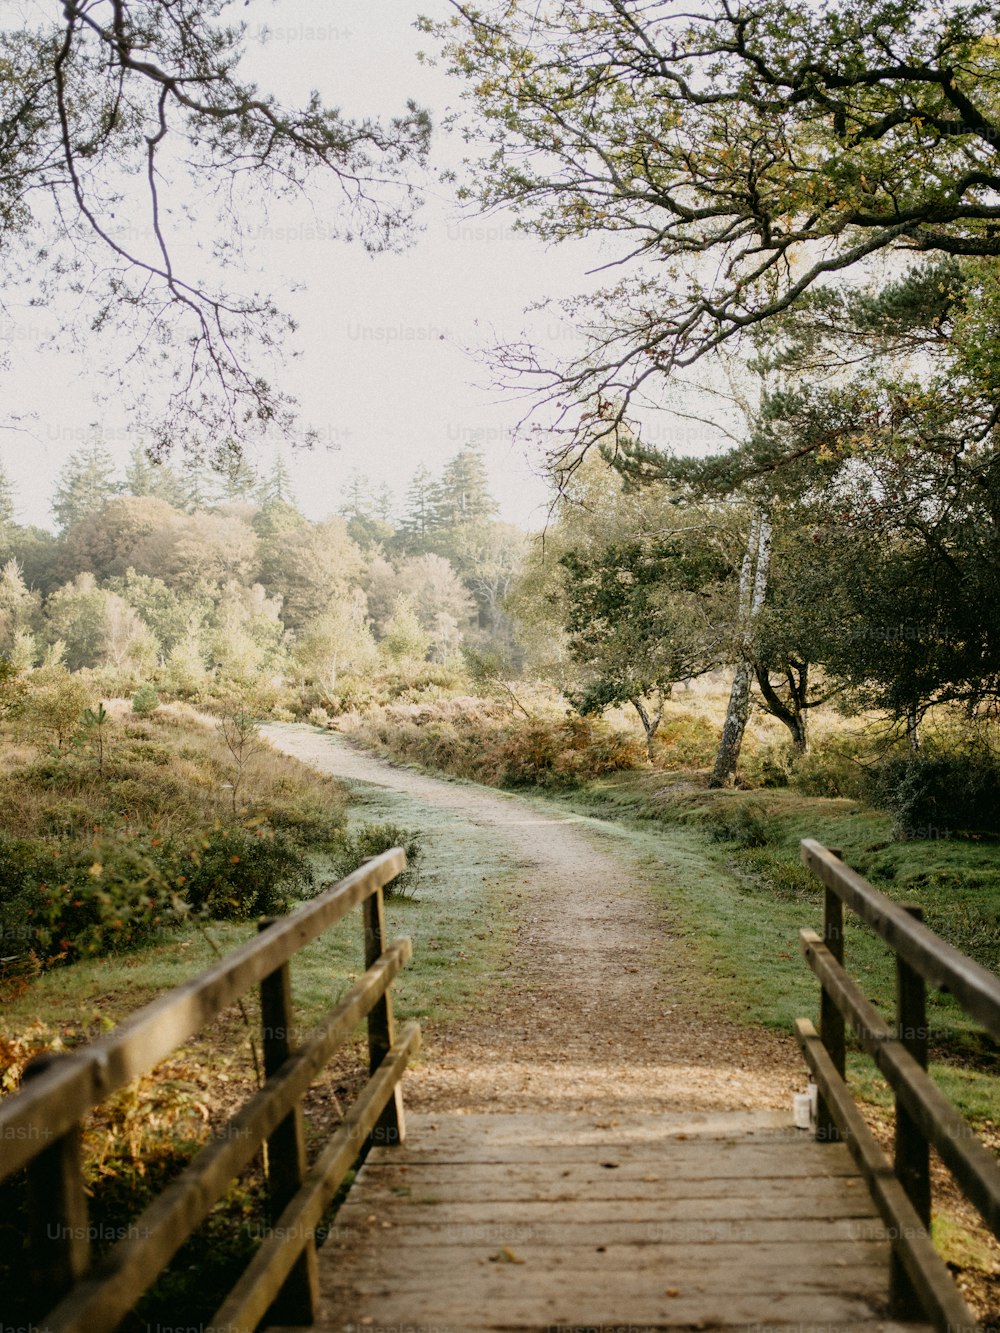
x,y
606,1013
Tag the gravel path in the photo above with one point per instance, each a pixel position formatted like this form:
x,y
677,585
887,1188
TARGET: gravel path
x,y
606,1013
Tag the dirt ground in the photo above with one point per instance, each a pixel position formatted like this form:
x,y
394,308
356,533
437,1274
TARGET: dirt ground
x,y
600,1008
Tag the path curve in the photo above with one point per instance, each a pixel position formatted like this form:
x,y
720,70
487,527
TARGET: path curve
x,y
603,1011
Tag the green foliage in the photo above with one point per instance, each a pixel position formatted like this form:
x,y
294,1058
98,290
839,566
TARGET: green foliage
x,y
105,859
54,706
86,482
354,845
939,794
13,690
742,823
239,873
145,700
77,898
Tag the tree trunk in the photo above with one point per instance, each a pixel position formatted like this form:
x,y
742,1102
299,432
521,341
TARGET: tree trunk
x,y
753,587
913,730
733,728
650,725
792,714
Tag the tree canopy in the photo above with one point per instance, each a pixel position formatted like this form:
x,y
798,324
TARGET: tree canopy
x,y
104,111
734,159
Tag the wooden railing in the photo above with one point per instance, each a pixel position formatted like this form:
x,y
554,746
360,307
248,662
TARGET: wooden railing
x,y
40,1126
920,1283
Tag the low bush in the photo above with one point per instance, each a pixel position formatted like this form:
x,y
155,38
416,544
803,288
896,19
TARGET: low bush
x,y
487,745
371,840
108,857
938,794
145,701
241,873
742,823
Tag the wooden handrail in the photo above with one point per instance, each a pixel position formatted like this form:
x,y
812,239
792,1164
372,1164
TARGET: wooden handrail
x,y
975,987
95,1300
82,1079
921,1283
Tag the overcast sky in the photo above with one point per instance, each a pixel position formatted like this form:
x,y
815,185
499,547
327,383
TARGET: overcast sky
x,y
387,374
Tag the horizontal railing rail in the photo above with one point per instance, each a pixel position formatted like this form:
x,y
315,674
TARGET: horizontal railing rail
x,y
41,1129
920,1284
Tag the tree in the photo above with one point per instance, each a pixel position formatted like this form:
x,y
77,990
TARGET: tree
x,y
7,507
105,541
276,487
85,484
754,574
336,642
642,615
489,557
75,617
308,564
463,493
197,549
146,476
172,616
429,584
404,639
110,94
419,511
18,609
247,636
735,159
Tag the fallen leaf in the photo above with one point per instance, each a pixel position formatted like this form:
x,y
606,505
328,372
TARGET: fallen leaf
x,y
506,1256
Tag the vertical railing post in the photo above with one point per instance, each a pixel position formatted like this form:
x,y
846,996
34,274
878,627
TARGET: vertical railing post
x,y
912,1151
831,1020
391,1126
58,1231
298,1300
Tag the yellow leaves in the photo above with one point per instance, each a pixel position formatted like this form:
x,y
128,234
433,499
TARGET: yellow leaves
x,y
96,870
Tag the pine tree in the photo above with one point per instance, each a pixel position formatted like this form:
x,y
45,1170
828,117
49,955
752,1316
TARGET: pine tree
x,y
464,492
276,487
7,510
86,482
238,481
420,509
145,476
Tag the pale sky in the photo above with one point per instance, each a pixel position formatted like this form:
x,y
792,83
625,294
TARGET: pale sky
x,y
386,373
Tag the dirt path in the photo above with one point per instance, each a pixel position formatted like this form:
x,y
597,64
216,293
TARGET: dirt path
x,y
600,1008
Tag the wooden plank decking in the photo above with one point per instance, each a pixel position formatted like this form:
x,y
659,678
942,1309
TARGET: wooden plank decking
x,y
570,1223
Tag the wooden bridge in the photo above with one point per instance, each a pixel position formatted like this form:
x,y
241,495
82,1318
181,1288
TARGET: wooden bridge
x,y
527,1222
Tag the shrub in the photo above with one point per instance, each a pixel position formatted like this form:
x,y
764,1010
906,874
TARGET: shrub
x,y
63,902
239,873
935,795
742,823
685,740
830,772
145,701
54,706
370,840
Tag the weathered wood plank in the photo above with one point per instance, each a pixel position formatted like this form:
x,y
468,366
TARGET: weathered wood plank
x,y
692,1162
648,1233
504,1300
721,1203
541,1235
